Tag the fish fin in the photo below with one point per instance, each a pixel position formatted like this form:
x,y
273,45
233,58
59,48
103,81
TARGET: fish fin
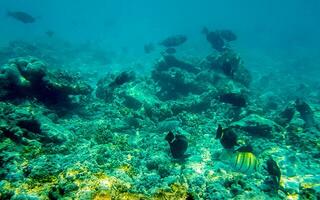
x,y
219,132
170,137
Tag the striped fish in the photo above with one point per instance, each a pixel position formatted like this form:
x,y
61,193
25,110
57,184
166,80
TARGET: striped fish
x,y
245,162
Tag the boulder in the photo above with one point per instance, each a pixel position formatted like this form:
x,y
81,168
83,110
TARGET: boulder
x,y
28,77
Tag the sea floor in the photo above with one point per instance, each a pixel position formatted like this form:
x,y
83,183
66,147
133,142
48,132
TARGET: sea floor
x,y
66,135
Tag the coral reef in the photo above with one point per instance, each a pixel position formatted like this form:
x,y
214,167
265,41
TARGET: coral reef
x,y
231,65
177,78
113,145
24,124
29,77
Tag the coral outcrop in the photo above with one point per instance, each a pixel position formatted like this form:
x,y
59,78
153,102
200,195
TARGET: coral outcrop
x,y
112,145
29,77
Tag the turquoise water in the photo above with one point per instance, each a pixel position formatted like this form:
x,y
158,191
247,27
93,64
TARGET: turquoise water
x,y
159,99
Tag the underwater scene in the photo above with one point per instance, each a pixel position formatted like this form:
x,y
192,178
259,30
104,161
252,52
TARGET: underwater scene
x,y
159,100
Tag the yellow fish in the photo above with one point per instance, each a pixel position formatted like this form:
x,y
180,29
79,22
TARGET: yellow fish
x,y
245,162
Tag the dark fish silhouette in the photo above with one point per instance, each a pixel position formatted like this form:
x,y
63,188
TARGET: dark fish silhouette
x,y
216,41
122,78
227,137
286,115
174,41
274,171
305,112
22,16
219,132
235,99
219,39
49,33
178,145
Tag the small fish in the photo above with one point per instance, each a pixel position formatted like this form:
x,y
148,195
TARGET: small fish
x,y
245,162
227,137
286,115
274,171
21,16
219,39
122,78
306,113
178,145
235,99
174,41
49,33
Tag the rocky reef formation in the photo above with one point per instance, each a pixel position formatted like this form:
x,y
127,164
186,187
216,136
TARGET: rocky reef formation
x,y
223,73
23,124
28,77
116,148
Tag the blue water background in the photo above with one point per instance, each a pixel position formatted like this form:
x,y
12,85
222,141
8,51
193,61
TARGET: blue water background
x,y
287,28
